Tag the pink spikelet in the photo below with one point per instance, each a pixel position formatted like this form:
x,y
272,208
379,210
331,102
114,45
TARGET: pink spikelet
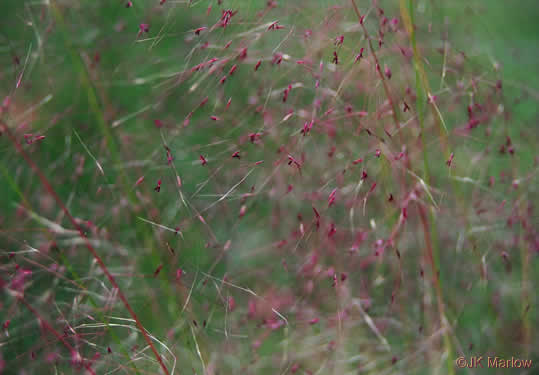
x,y
199,30
157,188
450,160
307,127
203,160
335,58
359,56
292,160
275,26
317,215
332,197
143,28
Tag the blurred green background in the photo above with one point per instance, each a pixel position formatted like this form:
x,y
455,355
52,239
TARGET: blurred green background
x,y
74,106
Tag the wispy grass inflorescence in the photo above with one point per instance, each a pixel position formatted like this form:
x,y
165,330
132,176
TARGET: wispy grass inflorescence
x,y
218,187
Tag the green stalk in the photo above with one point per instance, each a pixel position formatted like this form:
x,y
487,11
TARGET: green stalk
x,y
429,222
141,229
84,78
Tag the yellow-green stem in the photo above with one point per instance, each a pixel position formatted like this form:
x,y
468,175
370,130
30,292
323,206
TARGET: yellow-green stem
x,y
429,222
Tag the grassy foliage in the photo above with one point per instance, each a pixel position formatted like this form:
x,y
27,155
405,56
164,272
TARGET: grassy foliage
x,y
226,187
